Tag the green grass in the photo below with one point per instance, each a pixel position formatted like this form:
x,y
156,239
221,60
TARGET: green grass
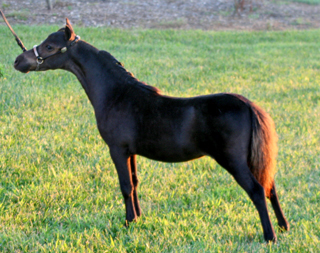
x,y
59,190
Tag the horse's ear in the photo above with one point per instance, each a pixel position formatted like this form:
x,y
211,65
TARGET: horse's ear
x,y
69,33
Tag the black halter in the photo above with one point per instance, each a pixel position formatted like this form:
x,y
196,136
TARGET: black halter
x,y
40,59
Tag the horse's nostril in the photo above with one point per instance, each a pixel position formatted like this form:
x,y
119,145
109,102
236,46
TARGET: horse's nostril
x,y
16,62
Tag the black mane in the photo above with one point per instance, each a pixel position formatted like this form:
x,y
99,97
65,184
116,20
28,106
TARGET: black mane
x,y
111,63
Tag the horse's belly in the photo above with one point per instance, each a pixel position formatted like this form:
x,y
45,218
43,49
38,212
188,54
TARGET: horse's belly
x,y
170,153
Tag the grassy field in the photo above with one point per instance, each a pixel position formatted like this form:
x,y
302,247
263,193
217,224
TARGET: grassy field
x,y
59,190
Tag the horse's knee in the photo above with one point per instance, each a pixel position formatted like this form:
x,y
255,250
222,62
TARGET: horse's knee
x,y
126,189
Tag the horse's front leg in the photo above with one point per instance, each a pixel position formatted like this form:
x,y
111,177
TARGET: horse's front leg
x,y
122,162
133,164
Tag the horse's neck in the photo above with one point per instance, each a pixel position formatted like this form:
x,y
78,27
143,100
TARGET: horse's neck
x,y
89,71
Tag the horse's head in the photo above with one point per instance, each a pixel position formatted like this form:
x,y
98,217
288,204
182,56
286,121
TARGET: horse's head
x,y
50,54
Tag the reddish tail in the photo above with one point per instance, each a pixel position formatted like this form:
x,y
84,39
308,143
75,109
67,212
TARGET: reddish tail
x,y
262,159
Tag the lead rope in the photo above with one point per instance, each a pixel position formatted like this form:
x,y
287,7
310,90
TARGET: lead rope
x,y
20,44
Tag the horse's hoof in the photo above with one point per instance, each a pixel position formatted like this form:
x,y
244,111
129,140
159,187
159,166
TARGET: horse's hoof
x,y
127,223
284,227
270,239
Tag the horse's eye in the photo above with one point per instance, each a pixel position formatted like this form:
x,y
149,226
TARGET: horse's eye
x,y
50,48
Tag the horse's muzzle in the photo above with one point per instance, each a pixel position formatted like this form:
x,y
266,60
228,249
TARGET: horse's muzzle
x,y
22,64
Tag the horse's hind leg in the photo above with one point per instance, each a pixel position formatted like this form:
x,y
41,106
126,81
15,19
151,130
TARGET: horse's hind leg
x,y
135,181
282,222
246,180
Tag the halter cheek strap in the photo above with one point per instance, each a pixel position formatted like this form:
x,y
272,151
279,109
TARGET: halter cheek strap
x,y
40,60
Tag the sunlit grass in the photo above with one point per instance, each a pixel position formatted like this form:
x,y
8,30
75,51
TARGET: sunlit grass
x,y
59,190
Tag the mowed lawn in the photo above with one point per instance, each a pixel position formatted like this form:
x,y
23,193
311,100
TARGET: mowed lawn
x,y
59,190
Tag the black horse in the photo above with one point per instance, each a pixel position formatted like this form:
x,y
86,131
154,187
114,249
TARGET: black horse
x,y
134,119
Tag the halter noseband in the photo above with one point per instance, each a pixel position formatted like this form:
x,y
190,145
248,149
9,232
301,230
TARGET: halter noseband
x,y
40,59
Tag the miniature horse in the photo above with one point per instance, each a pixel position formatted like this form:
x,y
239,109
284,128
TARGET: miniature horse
x,y
134,119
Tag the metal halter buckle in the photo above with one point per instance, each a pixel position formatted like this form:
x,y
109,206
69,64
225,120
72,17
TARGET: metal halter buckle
x,y
40,60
